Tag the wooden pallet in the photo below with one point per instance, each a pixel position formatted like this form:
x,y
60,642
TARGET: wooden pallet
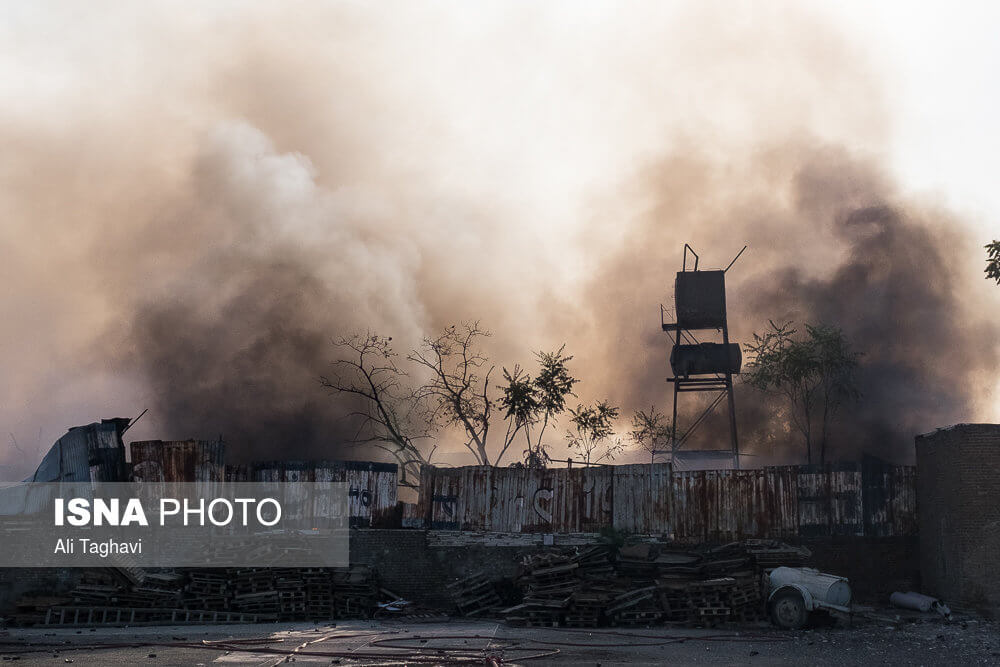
x,y
72,616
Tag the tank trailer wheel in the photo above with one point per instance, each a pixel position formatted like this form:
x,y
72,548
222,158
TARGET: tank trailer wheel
x,y
788,610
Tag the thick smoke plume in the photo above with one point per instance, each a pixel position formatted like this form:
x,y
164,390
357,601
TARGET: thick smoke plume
x,y
196,201
832,242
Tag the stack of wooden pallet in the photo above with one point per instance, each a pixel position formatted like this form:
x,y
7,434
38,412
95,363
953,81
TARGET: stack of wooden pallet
x,y
647,583
355,591
33,609
549,581
594,563
290,586
474,595
261,593
318,584
254,592
586,607
746,598
768,554
71,616
635,607
207,589
712,601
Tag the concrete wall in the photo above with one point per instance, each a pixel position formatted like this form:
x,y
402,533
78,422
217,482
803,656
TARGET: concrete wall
x,y
958,495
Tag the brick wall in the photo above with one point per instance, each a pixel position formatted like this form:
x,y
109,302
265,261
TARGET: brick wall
x,y
958,493
876,567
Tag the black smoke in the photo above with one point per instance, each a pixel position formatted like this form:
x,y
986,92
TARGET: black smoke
x,y
831,242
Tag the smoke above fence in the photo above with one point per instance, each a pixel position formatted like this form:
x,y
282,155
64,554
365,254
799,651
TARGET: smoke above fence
x,y
195,223
831,241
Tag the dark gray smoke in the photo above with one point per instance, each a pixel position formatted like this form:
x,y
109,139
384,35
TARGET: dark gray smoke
x,y
245,368
830,242
196,199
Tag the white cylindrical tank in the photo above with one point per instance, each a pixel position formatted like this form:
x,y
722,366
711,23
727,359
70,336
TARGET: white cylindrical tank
x,y
823,587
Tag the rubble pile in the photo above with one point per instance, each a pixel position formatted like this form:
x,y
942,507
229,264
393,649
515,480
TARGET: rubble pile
x,y
644,584
219,595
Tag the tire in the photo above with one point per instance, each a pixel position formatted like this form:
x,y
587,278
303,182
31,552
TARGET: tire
x,y
788,610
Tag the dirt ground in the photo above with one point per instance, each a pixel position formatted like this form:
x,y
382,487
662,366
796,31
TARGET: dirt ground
x,y
930,641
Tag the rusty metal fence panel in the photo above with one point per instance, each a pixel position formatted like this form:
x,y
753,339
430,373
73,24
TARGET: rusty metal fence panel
x,y
516,499
372,486
642,498
830,500
774,502
889,498
178,461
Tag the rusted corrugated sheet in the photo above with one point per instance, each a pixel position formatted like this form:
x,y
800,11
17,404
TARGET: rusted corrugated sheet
x,y
237,472
519,500
371,485
710,505
778,510
410,516
903,500
830,500
561,500
596,498
642,499
889,498
92,453
178,461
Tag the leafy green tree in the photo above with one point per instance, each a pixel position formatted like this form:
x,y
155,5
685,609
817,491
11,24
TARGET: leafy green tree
x,y
537,401
593,428
817,374
461,392
993,261
650,431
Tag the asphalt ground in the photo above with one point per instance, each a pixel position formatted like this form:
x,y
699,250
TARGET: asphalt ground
x,y
923,642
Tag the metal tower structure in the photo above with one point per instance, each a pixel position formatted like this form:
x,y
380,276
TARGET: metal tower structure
x,y
700,305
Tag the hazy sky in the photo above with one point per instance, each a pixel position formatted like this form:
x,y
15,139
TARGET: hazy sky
x,y
940,63
149,152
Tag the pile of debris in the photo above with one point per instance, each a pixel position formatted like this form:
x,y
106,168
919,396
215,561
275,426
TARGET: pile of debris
x,y
130,596
642,584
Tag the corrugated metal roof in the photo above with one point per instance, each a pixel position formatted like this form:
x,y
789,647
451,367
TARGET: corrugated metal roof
x,y
93,453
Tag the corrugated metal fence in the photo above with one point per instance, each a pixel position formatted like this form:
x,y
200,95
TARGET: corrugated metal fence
x,y
870,498
371,486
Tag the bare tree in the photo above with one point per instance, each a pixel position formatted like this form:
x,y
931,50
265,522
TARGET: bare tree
x,y
458,394
650,431
459,388
388,415
593,427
